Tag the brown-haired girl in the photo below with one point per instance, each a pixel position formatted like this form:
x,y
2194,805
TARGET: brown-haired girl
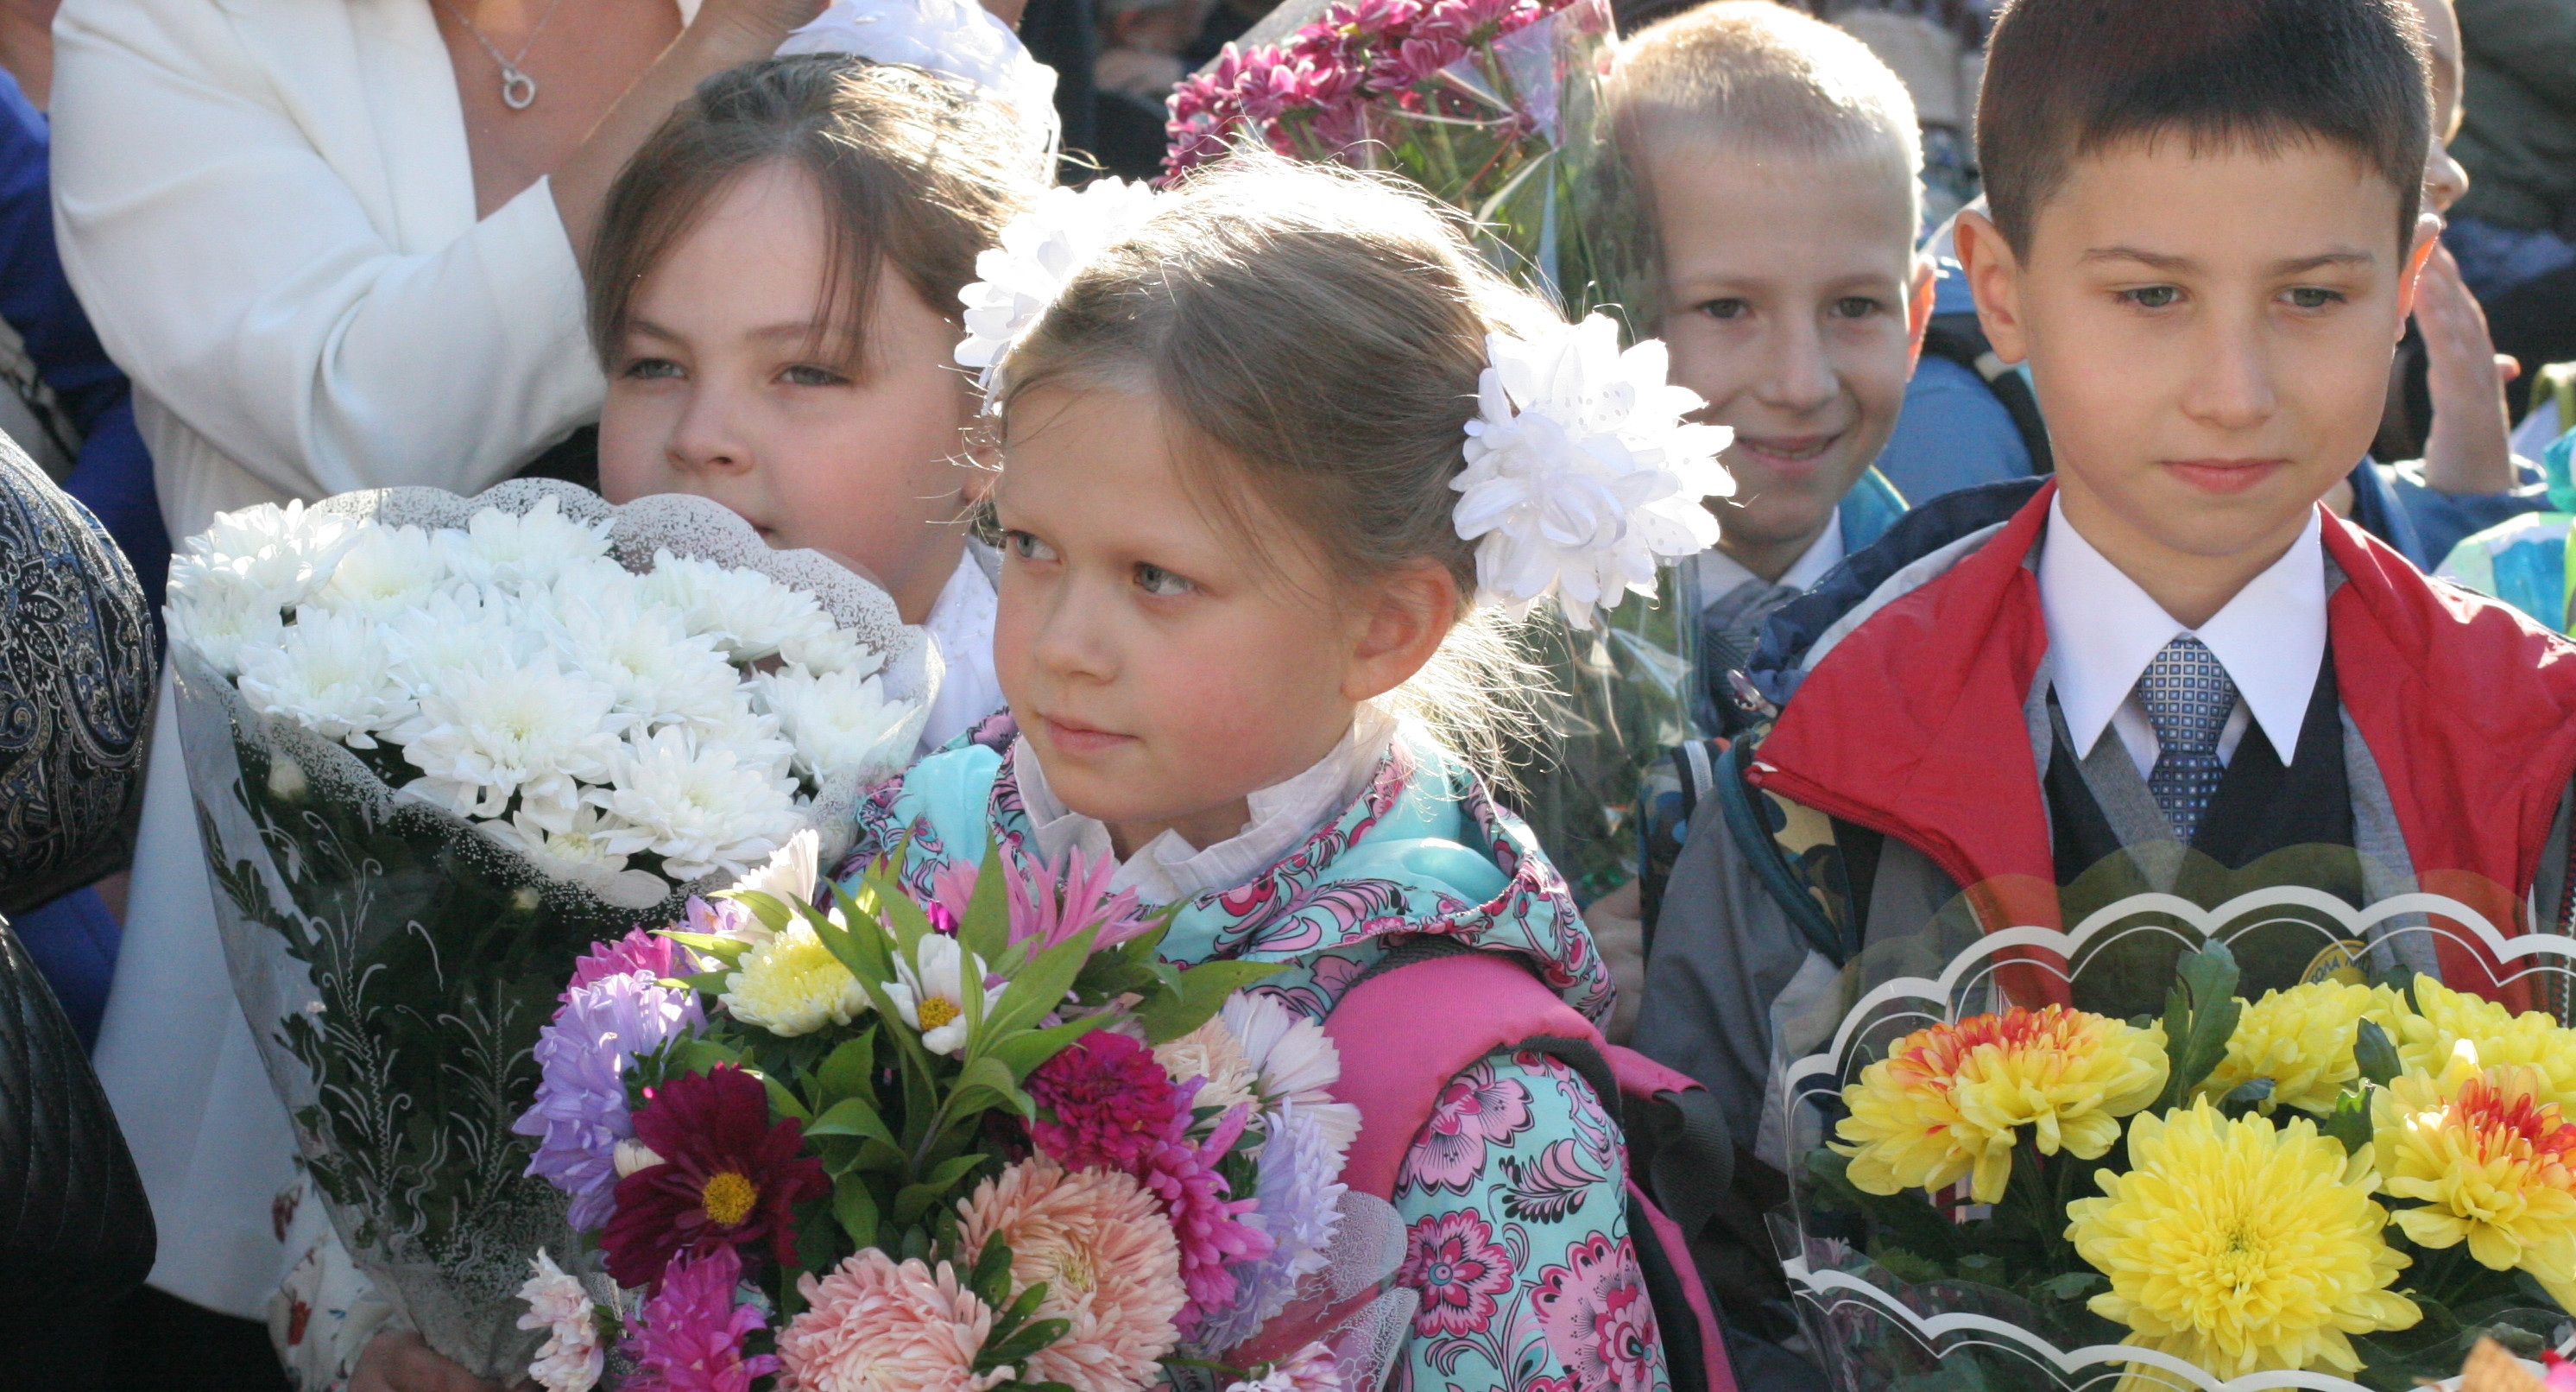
x,y
774,297
1278,454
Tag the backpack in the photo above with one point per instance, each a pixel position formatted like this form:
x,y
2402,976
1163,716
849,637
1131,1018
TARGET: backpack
x,y
1426,1012
1960,338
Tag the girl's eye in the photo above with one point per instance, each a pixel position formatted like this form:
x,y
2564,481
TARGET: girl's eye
x,y
1855,307
2314,296
2152,296
1027,547
1154,580
1725,309
808,375
651,369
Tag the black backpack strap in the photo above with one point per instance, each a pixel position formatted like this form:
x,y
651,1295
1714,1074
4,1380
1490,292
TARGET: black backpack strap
x,y
1801,879
1961,339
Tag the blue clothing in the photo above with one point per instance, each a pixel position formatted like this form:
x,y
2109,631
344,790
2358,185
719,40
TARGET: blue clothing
x,y
73,939
1952,434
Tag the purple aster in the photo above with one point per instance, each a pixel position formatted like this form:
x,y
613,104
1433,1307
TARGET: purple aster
x,y
580,1112
1300,1205
688,1337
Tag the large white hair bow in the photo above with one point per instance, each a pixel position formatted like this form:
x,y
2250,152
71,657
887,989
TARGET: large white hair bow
x,y
1583,471
956,37
1042,250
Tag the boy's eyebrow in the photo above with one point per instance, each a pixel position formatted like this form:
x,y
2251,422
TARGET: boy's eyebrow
x,y
2164,261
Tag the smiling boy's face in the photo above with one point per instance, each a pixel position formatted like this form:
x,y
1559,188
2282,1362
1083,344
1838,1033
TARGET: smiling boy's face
x,y
2209,333
1793,306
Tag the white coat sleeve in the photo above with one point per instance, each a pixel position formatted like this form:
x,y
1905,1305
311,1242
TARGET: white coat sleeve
x,y
238,278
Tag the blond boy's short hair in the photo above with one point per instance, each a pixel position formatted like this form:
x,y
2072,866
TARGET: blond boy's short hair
x,y
1754,73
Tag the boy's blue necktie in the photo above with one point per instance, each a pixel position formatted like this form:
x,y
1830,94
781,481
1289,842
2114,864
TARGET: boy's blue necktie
x,y
2188,697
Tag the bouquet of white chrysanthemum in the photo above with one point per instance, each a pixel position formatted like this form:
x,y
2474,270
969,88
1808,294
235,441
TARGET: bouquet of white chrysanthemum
x,y
438,746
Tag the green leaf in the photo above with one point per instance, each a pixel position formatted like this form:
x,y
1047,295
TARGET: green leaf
x,y
875,1157
698,1054
2349,1122
710,983
952,1170
2376,1056
2251,1092
1026,1340
1040,985
2071,1285
986,928
914,1200
772,911
2200,1015
991,1278
1023,1053
1907,1217
851,1116
1201,992
726,950
782,1097
987,1075
850,1069
856,1209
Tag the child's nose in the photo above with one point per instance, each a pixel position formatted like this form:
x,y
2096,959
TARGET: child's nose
x,y
2445,180
709,436
2232,386
1069,643
1798,374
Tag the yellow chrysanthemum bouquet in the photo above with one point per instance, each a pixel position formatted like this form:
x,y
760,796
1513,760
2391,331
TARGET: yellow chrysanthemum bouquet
x,y
2348,1180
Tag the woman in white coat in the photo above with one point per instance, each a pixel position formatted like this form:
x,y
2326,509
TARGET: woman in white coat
x,y
336,244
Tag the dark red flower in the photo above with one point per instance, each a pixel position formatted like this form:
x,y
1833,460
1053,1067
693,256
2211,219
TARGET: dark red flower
x,y
1111,1103
728,1176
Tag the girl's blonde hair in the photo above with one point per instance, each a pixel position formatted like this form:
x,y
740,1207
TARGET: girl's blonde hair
x,y
1317,335
919,171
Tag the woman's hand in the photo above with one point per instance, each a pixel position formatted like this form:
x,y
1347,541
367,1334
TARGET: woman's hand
x,y
402,1361
1617,921
2470,446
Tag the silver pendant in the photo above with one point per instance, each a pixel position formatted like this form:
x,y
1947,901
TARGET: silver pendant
x,y
518,90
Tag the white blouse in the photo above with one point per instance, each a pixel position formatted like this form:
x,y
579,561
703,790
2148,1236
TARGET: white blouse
x,y
267,207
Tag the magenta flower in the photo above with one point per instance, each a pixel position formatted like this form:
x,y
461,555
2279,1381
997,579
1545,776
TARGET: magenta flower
x,y
638,951
952,889
1600,1322
1074,896
689,1337
1454,1262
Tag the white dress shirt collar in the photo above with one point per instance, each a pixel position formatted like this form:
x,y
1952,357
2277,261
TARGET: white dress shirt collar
x,y
1168,869
2103,631
1720,573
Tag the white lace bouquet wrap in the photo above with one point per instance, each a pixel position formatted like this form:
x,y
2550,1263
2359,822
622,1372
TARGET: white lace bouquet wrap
x,y
438,746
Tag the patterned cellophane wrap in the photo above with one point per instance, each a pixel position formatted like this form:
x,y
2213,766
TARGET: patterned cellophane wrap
x,y
396,965
1875,1318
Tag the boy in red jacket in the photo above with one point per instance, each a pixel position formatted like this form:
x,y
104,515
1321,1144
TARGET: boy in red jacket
x,y
2167,668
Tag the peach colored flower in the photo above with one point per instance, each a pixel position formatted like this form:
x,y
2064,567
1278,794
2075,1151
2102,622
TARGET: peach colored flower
x,y
874,1326
1111,1265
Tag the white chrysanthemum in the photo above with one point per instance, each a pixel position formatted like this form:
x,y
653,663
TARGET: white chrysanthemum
x,y
1042,250
217,617
1583,471
453,630
530,730
328,673
580,853
385,571
510,551
753,736
748,614
830,653
1296,1061
790,875
842,725
644,651
572,1357
792,984
282,548
931,996
698,805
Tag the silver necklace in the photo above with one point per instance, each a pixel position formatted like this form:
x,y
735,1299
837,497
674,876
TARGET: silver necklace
x,y
518,90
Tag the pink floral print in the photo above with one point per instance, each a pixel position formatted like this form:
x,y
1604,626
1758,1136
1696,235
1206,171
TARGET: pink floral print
x,y
1478,1109
1600,1322
1453,1262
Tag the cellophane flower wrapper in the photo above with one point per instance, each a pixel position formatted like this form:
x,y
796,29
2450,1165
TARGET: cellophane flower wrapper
x,y
971,1132
396,958
2003,1156
1494,107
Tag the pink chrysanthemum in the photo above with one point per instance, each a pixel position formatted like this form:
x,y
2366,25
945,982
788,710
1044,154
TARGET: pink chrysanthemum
x,y
689,1337
1112,1105
1051,903
873,1326
1107,1255
1105,1101
638,951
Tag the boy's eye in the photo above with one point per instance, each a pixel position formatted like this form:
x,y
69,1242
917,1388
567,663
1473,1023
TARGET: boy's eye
x,y
1855,307
808,375
1725,309
651,369
2152,296
2314,296
1027,547
1154,580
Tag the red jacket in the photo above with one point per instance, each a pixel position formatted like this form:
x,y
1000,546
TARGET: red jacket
x,y
1913,725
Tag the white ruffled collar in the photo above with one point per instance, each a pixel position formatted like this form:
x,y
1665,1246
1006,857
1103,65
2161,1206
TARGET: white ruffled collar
x,y
1167,869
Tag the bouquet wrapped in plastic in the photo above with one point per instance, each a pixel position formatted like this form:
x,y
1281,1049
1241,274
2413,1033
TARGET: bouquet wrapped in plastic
x,y
982,1141
438,746
2345,1181
1494,107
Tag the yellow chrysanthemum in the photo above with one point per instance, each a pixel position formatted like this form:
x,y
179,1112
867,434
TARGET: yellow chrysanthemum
x,y
792,984
2242,1246
2302,1040
2427,1035
2491,1162
1950,1099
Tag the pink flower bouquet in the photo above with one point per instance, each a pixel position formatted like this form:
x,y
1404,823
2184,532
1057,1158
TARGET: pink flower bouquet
x,y
985,1142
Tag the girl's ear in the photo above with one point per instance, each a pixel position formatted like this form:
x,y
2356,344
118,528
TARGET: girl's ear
x,y
1397,633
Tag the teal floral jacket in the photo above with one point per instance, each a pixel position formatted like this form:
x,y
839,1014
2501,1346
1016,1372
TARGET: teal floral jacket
x,y
1513,1193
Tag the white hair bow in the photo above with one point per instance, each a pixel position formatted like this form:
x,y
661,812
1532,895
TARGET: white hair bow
x,y
956,37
